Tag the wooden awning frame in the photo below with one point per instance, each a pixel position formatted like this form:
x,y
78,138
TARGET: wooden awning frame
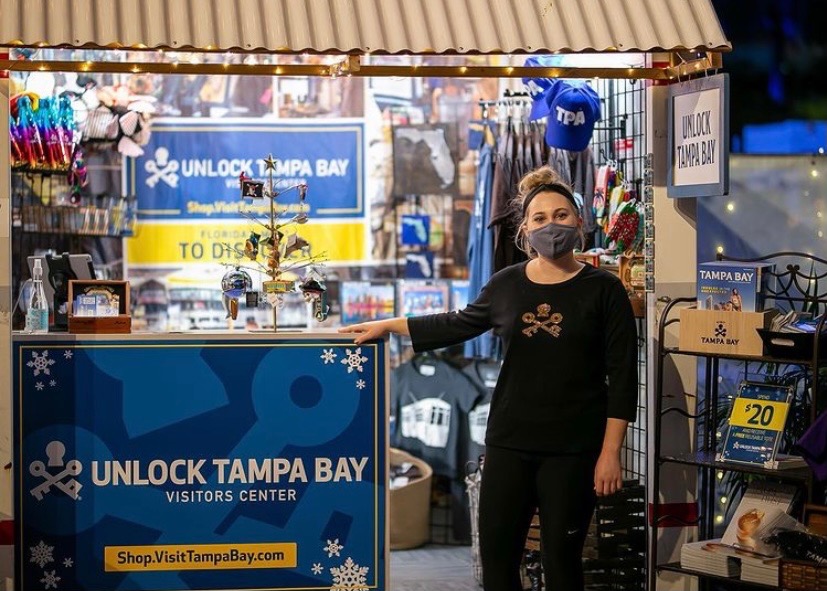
x,y
677,68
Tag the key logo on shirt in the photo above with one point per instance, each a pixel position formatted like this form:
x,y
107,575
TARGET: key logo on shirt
x,y
543,319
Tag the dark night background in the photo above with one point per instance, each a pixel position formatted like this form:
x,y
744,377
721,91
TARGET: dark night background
x,y
778,66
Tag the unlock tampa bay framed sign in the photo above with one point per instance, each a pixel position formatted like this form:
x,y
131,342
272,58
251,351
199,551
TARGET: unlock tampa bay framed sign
x,y
698,113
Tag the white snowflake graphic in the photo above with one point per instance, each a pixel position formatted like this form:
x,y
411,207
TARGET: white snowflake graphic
x,y
67,354
49,579
40,363
349,577
317,568
360,384
333,548
39,386
68,562
53,383
42,554
328,356
354,360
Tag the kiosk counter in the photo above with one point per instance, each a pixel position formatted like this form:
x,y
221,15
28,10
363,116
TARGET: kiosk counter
x,y
200,461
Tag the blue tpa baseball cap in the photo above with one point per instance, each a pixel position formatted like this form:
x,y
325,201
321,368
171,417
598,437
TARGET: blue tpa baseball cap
x,y
573,109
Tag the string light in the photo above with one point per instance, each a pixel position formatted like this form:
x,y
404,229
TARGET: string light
x,y
720,250
730,206
724,500
719,519
820,234
814,173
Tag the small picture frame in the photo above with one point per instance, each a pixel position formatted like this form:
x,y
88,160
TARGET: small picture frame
x,y
99,306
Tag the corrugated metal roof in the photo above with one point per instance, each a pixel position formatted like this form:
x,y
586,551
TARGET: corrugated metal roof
x,y
381,26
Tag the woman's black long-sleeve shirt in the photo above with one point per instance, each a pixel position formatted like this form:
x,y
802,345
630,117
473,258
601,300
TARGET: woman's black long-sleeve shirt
x,y
570,357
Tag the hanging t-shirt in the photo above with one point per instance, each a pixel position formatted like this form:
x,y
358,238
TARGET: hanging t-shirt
x,y
484,375
507,173
481,247
430,399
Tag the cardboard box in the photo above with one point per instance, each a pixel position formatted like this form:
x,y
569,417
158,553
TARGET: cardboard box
x,y
722,332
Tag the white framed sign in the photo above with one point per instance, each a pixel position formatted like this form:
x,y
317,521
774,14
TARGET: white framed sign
x,y
699,138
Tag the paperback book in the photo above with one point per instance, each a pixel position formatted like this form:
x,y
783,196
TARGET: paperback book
x,y
763,509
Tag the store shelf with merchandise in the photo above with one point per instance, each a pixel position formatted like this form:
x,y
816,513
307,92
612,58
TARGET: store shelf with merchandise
x,y
708,459
794,287
675,567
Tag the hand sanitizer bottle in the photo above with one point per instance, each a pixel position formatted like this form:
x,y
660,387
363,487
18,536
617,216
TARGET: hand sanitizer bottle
x,y
37,314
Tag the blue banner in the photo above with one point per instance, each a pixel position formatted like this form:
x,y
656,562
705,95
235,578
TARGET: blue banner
x,y
191,168
254,464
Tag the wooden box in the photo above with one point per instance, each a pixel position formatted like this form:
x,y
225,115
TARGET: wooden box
x,y
722,332
807,576
120,324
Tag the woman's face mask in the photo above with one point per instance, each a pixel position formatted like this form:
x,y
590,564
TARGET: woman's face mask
x,y
554,240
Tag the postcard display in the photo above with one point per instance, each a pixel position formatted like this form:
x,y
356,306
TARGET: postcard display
x,y
214,462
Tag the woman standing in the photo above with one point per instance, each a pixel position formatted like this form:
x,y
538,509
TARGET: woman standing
x,y
565,395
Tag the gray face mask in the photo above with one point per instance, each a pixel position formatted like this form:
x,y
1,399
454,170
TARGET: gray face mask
x,y
554,240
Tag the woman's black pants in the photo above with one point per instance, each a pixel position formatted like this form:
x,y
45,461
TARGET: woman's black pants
x,y
514,484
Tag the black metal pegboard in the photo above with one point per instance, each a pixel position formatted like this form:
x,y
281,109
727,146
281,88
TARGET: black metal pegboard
x,y
620,134
619,138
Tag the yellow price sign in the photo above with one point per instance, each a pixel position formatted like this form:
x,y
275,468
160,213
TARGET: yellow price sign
x,y
759,414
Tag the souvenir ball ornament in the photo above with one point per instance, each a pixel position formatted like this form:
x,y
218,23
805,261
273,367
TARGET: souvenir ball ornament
x,y
276,250
235,284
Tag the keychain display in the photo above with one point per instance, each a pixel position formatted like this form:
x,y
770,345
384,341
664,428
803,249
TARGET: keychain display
x,y
42,132
277,251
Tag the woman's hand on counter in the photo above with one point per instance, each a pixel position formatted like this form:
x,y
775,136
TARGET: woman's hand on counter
x,y
377,329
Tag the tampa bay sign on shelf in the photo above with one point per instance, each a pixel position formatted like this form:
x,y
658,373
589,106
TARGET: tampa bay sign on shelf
x,y
190,168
